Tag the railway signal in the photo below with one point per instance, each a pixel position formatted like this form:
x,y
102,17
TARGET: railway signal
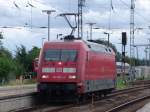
x,y
124,42
124,38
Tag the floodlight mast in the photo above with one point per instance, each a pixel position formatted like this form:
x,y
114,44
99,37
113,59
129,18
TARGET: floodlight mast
x,y
91,29
48,12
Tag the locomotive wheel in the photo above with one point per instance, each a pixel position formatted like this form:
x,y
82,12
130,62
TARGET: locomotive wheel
x,y
81,99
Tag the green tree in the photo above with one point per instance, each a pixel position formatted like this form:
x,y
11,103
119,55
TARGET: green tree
x,y
32,54
25,58
6,65
21,60
5,53
5,68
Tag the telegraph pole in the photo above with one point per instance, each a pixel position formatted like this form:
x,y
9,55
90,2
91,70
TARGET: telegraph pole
x,y
91,29
48,12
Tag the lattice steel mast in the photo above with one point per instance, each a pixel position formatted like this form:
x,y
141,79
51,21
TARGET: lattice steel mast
x,y
81,3
132,33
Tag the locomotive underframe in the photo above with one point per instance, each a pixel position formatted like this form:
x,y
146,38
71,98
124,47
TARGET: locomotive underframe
x,y
67,91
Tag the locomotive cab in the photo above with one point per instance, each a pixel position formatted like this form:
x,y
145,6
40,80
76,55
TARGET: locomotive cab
x,y
58,64
58,68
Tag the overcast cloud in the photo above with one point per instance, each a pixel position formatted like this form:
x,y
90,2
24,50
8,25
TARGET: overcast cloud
x,y
17,14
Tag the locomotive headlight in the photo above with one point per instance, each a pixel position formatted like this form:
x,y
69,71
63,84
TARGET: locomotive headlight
x,y
72,77
48,70
59,63
45,76
69,70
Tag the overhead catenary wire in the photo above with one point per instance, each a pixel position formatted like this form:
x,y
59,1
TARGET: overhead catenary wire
x,y
137,13
127,5
16,5
110,14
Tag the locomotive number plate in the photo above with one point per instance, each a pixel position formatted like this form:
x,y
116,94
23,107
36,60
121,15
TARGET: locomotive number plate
x,y
59,69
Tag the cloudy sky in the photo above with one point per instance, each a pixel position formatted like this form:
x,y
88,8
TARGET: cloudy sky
x,y
20,20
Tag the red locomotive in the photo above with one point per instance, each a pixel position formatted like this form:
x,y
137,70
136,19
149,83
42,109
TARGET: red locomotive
x,y
75,67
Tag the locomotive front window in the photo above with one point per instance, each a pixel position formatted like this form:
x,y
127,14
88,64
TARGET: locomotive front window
x,y
52,55
68,55
60,55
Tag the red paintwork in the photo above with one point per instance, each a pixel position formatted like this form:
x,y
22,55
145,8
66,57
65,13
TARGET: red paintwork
x,y
100,66
90,65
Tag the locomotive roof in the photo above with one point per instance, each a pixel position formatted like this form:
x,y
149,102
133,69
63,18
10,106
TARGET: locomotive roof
x,y
91,45
99,47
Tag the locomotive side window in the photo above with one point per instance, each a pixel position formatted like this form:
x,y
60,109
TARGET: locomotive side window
x,y
60,55
97,48
52,55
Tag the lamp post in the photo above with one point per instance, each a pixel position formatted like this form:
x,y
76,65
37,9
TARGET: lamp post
x,y
48,12
97,28
91,29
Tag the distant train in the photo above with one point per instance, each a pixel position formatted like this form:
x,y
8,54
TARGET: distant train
x,y
142,72
120,68
75,68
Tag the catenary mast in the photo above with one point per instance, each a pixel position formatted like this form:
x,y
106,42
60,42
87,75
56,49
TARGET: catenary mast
x,y
81,3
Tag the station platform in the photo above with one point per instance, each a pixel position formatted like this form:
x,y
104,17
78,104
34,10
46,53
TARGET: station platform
x,y
17,90
146,108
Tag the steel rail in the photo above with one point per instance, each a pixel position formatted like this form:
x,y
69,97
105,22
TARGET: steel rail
x,y
114,93
124,105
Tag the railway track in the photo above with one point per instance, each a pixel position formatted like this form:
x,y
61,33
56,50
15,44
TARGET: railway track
x,y
141,82
46,108
125,106
98,103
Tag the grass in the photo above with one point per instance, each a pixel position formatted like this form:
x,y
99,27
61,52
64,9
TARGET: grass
x,y
121,84
20,82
